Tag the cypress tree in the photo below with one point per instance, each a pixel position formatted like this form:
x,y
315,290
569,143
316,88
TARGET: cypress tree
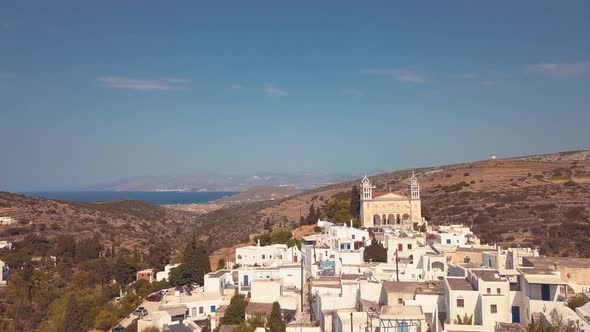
x,y
275,321
311,216
195,259
236,311
73,318
355,202
375,252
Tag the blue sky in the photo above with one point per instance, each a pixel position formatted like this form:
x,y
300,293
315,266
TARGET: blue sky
x,y
102,90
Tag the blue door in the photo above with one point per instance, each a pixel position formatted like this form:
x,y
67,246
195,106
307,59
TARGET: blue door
x,y
516,314
545,292
403,326
245,280
213,308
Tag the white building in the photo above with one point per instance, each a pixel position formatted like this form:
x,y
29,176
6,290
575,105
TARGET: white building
x,y
3,273
164,275
456,235
7,221
5,245
508,259
271,255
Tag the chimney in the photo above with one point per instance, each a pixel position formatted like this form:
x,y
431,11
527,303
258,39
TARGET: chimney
x,y
350,223
258,243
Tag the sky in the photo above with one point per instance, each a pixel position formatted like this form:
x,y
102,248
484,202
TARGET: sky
x,y
94,91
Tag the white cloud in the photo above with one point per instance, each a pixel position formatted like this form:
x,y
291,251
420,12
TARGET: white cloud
x,y
561,70
402,75
178,80
141,84
271,90
352,92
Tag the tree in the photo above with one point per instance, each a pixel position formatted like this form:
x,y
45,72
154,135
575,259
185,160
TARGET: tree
x,y
159,255
375,252
105,319
73,317
466,320
342,216
221,264
311,215
355,202
123,271
267,226
575,302
179,276
195,261
65,247
89,248
275,321
236,311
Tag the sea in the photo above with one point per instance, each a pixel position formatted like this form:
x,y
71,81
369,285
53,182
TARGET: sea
x,y
152,197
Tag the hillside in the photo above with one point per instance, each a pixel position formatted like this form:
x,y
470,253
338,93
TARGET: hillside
x,y
516,201
127,223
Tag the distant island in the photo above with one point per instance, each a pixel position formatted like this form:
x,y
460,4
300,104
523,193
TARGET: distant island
x,y
208,182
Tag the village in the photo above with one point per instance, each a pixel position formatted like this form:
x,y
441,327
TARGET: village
x,y
394,273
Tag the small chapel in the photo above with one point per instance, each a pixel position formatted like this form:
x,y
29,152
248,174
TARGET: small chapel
x,y
388,209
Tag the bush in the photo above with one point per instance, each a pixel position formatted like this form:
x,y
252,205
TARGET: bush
x,y
465,174
575,302
570,183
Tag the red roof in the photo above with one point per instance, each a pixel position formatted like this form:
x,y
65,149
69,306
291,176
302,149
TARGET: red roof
x,y
378,193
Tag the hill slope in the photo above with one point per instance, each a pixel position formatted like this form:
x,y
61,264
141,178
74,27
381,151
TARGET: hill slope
x,y
128,223
515,201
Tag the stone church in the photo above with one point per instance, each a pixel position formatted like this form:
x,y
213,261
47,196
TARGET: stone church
x,y
387,209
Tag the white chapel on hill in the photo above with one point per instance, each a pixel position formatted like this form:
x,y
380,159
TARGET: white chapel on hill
x,y
388,209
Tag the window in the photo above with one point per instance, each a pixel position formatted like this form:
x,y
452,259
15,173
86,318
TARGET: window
x,y
460,303
269,256
201,309
489,291
239,256
493,308
400,301
448,241
353,236
213,309
194,311
409,247
498,291
263,256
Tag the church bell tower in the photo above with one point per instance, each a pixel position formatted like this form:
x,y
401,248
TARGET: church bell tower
x,y
366,189
414,190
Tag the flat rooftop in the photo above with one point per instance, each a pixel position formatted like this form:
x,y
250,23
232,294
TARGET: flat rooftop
x,y
217,273
551,262
488,275
430,287
402,312
460,284
197,295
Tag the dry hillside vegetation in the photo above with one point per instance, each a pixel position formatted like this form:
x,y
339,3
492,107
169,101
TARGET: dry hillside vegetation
x,y
516,201
129,224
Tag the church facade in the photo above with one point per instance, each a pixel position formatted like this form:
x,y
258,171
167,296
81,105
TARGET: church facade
x,y
387,209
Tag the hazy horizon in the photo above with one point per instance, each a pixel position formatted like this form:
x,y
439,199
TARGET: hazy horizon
x,y
96,92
